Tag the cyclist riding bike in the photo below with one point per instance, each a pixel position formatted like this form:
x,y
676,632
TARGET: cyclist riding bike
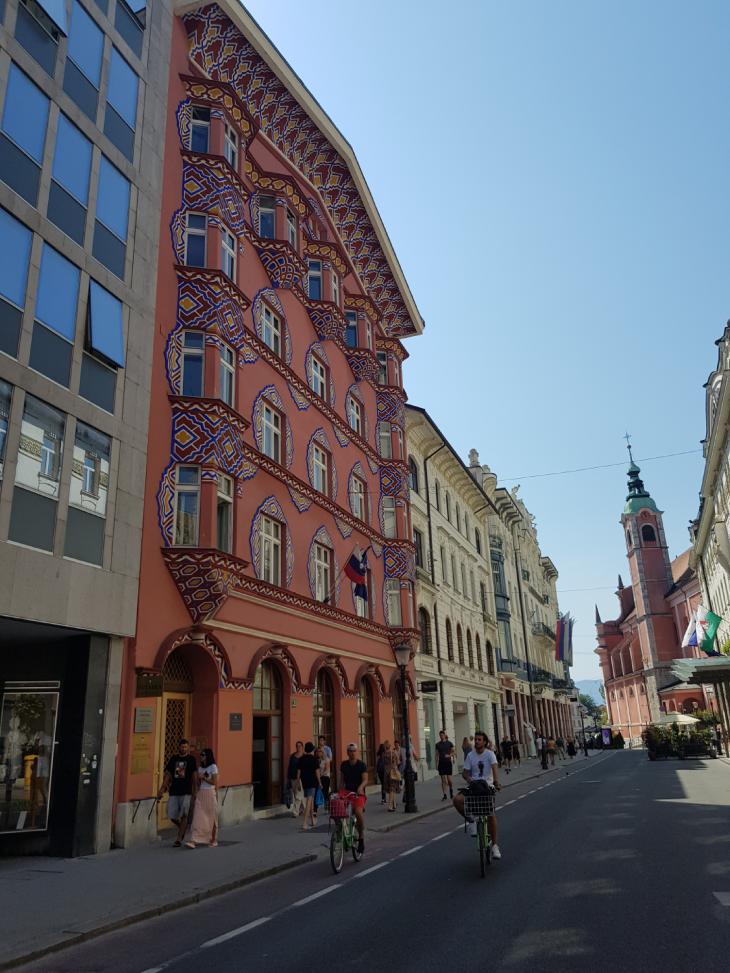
x,y
353,780
480,765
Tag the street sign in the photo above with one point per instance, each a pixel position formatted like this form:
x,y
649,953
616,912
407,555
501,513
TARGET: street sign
x,y
429,686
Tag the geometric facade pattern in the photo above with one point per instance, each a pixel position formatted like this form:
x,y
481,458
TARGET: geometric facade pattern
x,y
206,432
323,537
271,508
268,296
270,396
319,436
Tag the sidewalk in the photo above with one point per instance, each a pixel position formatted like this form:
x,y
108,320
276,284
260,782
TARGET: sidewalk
x,y
56,902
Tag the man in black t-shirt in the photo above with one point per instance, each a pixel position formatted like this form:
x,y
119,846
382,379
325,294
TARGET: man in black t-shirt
x,y
354,778
445,751
181,782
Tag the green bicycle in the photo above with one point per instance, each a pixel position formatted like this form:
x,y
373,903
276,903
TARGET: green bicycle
x,y
345,834
479,807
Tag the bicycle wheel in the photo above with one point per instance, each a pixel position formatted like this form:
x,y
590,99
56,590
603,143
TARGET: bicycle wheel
x,y
337,848
355,838
485,847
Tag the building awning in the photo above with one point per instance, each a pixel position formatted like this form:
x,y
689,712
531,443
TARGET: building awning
x,y
702,671
678,687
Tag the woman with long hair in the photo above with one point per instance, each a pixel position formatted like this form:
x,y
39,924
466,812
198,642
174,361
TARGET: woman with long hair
x,y
204,830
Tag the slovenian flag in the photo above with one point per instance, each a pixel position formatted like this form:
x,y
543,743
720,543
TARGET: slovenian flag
x,y
690,633
564,639
707,625
356,570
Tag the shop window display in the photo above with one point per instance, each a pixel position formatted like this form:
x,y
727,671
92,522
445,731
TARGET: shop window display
x,y
27,732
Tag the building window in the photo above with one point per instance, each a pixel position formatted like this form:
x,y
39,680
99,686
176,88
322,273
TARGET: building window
x,y
424,624
120,119
24,123
69,192
200,129
335,289
382,368
473,587
466,524
272,423
354,415
490,658
464,589
413,474
477,540
320,469
357,498
483,596
647,534
193,359
106,332
127,23
389,519
392,594
351,329
85,524
83,67
224,514
314,280
449,642
227,379
228,255
454,576
5,399
319,378
460,645
480,661
385,442
368,333
37,31
54,330
112,218
458,518
187,506
444,565
469,649
448,506
291,229
37,475
271,330
322,572
230,145
396,371
418,541
195,233
437,495
267,217
271,547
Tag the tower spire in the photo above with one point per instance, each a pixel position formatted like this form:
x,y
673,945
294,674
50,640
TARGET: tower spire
x,y
598,616
638,497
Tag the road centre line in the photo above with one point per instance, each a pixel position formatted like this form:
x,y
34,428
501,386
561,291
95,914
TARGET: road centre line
x,y
440,836
373,868
233,933
315,895
410,851
722,897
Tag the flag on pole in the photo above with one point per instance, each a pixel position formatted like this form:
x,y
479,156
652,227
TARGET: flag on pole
x,y
707,625
356,570
690,633
564,639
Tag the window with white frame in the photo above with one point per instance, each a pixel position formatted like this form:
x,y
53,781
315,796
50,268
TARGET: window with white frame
x,y
224,514
228,255
230,145
385,442
267,217
358,498
399,442
369,334
389,518
382,368
271,423
291,229
418,542
320,469
193,359
319,378
50,456
195,233
271,330
271,537
187,506
322,572
90,470
392,594
228,375
354,414
335,288
200,129
396,371
314,280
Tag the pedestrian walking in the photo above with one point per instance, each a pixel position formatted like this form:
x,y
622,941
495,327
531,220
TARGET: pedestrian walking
x,y
551,750
466,746
322,743
506,748
515,750
308,777
204,829
541,744
571,748
560,748
380,768
325,770
180,782
392,774
445,766
294,796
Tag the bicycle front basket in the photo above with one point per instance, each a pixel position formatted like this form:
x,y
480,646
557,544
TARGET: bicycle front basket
x,y
479,805
339,807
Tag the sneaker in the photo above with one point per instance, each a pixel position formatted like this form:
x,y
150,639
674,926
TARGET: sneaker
x,y
444,798
360,846
496,853
472,829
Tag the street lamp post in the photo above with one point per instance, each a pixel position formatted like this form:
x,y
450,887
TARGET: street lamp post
x,y
583,731
402,657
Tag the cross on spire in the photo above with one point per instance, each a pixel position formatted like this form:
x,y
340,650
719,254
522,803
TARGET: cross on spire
x,y
627,437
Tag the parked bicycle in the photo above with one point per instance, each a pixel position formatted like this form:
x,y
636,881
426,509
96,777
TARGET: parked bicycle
x,y
344,836
479,807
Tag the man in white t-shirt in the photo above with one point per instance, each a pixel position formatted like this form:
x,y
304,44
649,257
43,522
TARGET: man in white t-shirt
x,y
481,764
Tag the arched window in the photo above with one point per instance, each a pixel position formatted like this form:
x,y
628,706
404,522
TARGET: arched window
x,y
460,644
458,517
447,500
449,642
413,474
477,540
629,539
437,494
480,661
490,659
647,534
366,722
469,649
267,689
424,623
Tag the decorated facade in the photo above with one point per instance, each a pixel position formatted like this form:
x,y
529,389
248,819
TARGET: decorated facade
x,y
276,444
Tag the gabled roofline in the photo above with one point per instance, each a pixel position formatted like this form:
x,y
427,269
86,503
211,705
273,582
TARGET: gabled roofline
x,y
268,51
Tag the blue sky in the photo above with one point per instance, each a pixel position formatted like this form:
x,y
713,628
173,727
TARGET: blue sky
x,y
554,179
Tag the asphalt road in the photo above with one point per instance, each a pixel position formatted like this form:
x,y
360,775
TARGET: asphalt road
x,y
620,865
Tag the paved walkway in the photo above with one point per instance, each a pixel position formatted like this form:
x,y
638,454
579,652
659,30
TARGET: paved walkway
x,y
54,901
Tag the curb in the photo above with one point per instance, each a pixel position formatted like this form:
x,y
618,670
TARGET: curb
x,y
202,894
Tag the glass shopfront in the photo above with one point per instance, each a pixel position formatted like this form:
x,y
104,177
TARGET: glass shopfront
x,y
27,735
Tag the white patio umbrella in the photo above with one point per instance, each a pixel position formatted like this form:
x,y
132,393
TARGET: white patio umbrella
x,y
682,719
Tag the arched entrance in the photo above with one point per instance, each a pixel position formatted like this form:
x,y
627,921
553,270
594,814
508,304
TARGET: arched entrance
x,y
176,712
323,712
366,725
266,765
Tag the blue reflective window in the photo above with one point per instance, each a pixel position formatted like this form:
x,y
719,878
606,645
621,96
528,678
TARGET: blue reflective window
x,y
112,206
106,335
123,85
26,114
85,44
72,161
15,242
58,293
56,10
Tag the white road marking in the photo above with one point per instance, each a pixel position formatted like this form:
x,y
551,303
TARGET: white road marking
x,y
373,868
410,851
440,836
510,802
316,895
722,897
154,969
233,933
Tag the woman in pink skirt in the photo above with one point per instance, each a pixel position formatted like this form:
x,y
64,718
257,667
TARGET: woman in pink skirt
x,y
204,830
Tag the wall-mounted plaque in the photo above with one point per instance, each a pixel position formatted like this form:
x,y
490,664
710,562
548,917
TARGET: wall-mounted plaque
x,y
144,719
235,721
149,684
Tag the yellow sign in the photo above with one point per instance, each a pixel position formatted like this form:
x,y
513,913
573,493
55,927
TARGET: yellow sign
x,y
142,753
